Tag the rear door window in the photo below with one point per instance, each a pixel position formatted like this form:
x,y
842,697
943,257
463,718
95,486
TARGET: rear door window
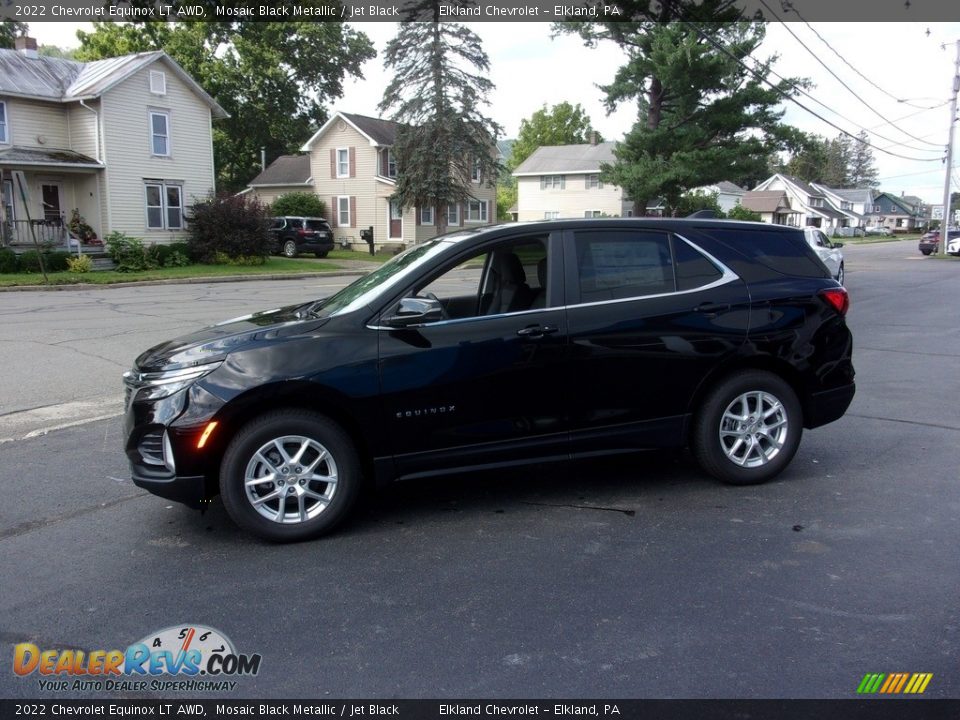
x,y
316,225
786,252
617,264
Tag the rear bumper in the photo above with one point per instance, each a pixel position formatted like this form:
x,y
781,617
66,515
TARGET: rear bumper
x,y
829,405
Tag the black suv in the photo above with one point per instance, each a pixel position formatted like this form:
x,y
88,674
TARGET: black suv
x,y
294,235
510,344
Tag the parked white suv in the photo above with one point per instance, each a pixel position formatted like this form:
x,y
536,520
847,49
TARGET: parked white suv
x,y
828,251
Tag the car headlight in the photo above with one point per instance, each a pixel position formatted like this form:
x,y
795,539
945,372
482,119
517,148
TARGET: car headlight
x,y
156,385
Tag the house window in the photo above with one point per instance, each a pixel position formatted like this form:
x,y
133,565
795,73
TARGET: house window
x,y
160,134
876,208
343,211
4,137
551,215
164,203
816,202
548,182
426,216
343,162
476,211
846,206
391,165
592,213
453,214
158,83
475,171
593,181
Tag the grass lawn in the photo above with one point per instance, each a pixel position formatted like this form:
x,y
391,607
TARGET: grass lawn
x,y
357,255
273,266
870,239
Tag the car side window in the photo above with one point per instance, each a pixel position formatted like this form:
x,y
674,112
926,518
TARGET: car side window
x,y
510,277
278,224
616,264
692,268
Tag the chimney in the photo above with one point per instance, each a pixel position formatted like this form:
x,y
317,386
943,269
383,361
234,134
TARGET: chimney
x,y
26,45
593,137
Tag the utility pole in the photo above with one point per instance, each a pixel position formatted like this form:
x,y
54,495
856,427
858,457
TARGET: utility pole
x,y
945,223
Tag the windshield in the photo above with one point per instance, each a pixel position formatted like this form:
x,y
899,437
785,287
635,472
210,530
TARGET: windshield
x,y
363,290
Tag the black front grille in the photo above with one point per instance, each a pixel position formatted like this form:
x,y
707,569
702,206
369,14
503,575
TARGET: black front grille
x,y
151,448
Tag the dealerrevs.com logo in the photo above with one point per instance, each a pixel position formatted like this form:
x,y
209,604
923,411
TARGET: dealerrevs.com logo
x,y
177,658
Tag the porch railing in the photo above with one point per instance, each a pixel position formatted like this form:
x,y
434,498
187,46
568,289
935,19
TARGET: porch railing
x,y
21,232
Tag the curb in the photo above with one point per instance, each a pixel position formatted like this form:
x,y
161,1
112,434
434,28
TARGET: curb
x,y
187,281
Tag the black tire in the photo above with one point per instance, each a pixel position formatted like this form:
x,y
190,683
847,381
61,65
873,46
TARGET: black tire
x,y
289,249
711,451
322,254
242,455
926,252
841,274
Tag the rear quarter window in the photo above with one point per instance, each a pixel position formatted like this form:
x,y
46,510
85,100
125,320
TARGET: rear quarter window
x,y
784,252
316,225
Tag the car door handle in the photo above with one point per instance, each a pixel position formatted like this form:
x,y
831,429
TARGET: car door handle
x,y
709,307
535,331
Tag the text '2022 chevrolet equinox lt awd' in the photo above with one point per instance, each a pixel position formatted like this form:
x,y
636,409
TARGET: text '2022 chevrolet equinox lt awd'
x,y
511,344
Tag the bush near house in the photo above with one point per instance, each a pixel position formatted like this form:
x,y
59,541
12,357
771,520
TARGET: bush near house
x,y
234,225
299,203
739,212
29,262
8,261
129,253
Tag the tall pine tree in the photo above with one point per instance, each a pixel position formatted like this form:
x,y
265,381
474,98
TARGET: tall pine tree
x,y
437,93
702,115
862,167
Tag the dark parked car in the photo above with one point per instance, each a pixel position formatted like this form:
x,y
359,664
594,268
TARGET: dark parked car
x,y
505,345
295,235
930,242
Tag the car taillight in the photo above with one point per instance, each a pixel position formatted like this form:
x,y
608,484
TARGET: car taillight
x,y
301,232
838,298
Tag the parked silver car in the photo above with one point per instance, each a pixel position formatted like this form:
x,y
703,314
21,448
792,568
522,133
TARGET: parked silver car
x,y
828,251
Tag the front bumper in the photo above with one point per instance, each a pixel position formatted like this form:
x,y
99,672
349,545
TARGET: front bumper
x,y
191,490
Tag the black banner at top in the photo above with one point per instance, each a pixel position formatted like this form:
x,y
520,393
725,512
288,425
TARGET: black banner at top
x,y
32,11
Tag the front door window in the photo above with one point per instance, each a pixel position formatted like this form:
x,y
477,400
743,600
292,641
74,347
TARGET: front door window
x,y
51,202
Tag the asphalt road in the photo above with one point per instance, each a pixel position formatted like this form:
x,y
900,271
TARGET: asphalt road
x,y
630,578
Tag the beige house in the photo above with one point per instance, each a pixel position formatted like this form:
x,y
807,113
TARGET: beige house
x,y
563,181
127,142
354,172
287,174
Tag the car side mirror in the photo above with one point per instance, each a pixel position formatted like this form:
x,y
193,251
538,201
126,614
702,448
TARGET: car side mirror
x,y
838,244
415,311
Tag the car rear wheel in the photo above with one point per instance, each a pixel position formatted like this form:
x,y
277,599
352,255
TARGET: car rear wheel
x,y
748,428
290,249
840,274
926,252
322,254
290,475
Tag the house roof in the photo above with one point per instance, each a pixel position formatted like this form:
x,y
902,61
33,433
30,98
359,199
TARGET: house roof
x,y
567,159
62,80
35,156
285,170
766,201
899,202
377,130
856,195
726,186
802,185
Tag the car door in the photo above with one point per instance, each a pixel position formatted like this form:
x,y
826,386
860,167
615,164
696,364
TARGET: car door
x,y
649,315
484,384
830,255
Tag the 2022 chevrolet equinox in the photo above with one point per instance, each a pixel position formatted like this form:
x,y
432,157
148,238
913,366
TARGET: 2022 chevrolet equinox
x,y
510,344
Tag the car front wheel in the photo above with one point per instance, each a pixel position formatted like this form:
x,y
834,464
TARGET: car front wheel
x,y
840,274
290,475
748,428
290,249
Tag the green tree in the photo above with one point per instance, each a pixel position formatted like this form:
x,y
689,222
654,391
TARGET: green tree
x,y
691,202
506,199
272,77
862,167
437,93
703,116
10,29
57,52
836,172
809,160
306,204
739,212
563,124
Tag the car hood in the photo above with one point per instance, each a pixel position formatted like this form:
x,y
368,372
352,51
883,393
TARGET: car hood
x,y
217,341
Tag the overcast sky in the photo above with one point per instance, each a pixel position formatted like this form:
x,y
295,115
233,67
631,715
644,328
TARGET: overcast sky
x,y
530,69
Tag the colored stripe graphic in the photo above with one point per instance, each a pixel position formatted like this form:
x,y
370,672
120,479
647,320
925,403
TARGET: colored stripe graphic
x,y
894,683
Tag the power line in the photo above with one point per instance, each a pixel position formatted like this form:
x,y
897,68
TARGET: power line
x,y
706,36
919,112
837,77
789,7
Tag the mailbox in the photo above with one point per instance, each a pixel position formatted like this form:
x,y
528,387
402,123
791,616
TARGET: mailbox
x,y
367,236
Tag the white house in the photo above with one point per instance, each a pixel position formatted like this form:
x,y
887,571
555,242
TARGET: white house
x,y
353,170
562,181
729,194
798,203
126,142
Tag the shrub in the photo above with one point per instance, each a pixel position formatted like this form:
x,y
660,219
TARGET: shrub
x,y
79,227
235,225
299,203
8,261
176,259
81,264
158,254
739,212
221,258
52,261
129,253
